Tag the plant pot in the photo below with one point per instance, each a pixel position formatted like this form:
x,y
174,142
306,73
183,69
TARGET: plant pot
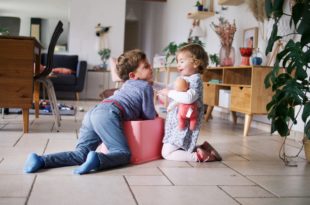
x,y
200,8
307,148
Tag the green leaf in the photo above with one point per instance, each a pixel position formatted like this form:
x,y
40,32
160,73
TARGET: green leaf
x,y
273,38
278,8
281,127
307,129
306,112
268,8
268,79
297,11
305,38
291,114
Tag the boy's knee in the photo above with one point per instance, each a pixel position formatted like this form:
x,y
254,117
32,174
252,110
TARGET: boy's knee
x,y
126,156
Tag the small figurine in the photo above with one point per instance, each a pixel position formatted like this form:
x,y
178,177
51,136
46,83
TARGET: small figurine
x,y
185,111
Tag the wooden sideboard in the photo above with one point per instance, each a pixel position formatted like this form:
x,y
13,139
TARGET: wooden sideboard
x,y
248,94
19,62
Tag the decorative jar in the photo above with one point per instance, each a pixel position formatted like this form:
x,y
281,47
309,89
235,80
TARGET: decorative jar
x,y
227,56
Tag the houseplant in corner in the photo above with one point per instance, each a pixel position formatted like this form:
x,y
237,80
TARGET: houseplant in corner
x,y
289,77
199,6
104,55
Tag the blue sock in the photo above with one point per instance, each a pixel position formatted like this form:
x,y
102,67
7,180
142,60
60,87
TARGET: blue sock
x,y
92,162
33,163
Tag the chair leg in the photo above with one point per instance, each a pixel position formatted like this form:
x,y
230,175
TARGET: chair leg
x,y
47,83
53,102
77,96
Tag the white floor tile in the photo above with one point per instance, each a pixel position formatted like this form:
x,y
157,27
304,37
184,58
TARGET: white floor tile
x,y
181,195
205,176
250,174
80,190
285,186
274,201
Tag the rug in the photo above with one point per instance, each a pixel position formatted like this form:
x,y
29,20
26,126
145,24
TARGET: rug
x,y
45,109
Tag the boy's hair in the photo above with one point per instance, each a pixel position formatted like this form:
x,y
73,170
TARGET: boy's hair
x,y
198,53
129,62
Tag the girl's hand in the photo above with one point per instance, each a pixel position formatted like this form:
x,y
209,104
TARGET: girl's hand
x,y
163,92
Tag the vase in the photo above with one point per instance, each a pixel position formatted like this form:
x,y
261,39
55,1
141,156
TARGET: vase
x,y
227,56
245,56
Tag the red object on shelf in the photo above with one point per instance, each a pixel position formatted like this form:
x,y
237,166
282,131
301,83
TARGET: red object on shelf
x,y
245,56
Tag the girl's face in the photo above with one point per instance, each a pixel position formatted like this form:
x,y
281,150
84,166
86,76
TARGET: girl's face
x,y
143,72
186,64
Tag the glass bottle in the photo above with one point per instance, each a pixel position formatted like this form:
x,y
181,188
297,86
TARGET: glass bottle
x,y
257,57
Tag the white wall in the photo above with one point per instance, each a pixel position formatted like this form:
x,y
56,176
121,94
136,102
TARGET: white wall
x,y
166,22
84,16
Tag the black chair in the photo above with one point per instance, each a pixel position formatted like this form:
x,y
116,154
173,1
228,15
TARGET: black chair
x,y
67,82
44,79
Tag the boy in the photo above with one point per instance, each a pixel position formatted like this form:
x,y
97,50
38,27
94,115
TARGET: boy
x,y
104,122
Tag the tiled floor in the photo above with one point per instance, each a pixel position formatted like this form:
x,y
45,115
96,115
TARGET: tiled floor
x,y
250,173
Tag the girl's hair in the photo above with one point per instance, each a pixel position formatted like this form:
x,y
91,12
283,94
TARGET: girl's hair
x,y
198,53
129,62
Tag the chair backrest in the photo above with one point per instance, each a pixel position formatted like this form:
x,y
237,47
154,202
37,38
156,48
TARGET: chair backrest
x,y
50,52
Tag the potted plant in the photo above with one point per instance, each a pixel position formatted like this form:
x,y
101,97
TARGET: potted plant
x,y
171,49
214,58
104,55
199,6
289,77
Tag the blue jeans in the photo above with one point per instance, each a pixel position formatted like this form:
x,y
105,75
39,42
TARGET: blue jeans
x,y
103,123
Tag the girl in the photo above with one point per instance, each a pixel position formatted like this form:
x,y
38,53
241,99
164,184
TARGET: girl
x,y
180,144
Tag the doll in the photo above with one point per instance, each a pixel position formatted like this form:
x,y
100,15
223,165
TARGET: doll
x,y
185,111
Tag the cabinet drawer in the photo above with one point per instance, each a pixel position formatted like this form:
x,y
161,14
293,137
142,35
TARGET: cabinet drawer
x,y
210,94
240,99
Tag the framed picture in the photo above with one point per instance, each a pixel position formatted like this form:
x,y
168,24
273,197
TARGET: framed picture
x,y
250,37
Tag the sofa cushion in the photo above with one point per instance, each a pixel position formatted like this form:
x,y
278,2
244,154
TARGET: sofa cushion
x,y
63,79
65,71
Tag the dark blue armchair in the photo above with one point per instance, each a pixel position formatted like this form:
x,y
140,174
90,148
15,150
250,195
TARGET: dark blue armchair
x,y
72,81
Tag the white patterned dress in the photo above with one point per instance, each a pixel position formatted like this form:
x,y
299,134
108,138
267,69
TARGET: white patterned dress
x,y
185,139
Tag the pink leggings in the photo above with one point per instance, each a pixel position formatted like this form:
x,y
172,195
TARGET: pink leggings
x,y
172,152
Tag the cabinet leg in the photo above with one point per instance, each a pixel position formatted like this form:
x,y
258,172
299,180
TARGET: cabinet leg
x,y
247,124
25,120
234,116
36,98
209,112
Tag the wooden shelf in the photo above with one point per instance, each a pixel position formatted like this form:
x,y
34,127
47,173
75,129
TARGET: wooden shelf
x,y
199,15
230,2
248,92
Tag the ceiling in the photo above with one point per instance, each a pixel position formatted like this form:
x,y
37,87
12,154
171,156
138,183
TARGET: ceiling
x,y
41,8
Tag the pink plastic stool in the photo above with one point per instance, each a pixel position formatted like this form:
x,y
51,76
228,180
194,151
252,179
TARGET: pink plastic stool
x,y
144,139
